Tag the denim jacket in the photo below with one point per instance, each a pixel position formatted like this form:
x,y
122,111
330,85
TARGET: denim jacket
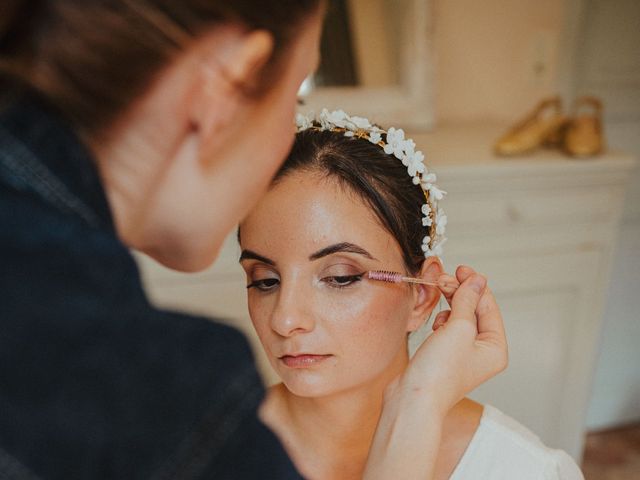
x,y
95,383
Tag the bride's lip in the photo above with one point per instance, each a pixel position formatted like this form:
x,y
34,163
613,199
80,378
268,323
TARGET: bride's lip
x,y
303,360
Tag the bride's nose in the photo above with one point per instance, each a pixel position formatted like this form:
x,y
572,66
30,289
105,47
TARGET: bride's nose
x,y
291,315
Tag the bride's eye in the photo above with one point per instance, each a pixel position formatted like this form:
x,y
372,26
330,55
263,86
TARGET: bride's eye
x,y
264,284
341,281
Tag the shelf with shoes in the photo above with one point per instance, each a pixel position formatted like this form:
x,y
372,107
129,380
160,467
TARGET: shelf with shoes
x,y
579,134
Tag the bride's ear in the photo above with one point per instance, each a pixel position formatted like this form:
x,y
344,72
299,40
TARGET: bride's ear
x,y
426,296
229,65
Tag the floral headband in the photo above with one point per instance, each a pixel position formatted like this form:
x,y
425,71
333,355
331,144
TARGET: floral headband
x,y
403,149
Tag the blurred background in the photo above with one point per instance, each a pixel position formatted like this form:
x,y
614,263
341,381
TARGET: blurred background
x,y
558,235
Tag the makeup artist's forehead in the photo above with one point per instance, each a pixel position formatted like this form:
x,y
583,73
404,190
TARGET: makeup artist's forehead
x,y
305,212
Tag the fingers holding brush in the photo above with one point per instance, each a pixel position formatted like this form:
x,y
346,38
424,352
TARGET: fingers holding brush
x,y
441,319
481,310
489,320
448,285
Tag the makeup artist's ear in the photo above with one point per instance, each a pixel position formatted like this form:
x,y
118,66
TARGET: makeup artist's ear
x,y
230,63
426,296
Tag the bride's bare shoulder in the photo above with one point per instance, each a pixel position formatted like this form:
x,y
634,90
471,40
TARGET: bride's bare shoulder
x,y
466,415
460,426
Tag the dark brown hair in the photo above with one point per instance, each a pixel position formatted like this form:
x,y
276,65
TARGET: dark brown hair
x,y
379,179
92,58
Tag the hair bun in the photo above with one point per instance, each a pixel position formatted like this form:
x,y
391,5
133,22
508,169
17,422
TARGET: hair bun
x,y
17,18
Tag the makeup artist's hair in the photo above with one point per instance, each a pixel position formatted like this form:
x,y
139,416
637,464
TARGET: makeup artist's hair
x,y
91,58
379,179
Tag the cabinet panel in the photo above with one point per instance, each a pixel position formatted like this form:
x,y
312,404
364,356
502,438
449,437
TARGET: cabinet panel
x,y
539,331
533,207
552,318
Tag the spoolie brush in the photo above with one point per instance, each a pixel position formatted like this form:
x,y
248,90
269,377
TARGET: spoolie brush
x,y
396,277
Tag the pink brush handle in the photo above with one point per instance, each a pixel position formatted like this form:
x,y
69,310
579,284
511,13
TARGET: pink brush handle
x,y
395,277
418,280
424,282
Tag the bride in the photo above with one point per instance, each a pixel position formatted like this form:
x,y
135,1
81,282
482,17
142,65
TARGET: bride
x,y
353,198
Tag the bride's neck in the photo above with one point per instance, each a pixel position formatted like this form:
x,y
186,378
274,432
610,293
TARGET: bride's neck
x,y
339,427
344,422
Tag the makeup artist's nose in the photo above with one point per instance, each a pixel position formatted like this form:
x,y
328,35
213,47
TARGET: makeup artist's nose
x,y
291,316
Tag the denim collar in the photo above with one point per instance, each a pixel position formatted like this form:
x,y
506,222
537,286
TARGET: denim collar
x,y
41,154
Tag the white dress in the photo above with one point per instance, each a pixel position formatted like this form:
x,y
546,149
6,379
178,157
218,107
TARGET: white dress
x,y
502,449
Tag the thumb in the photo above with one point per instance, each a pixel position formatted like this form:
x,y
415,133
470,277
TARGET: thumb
x,y
465,299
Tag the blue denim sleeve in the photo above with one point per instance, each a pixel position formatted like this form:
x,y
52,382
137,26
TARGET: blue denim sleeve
x,y
227,440
95,383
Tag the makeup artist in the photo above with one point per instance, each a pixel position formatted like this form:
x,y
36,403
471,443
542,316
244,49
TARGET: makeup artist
x,y
156,125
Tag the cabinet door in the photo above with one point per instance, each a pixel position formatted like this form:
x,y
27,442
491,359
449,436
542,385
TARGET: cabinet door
x,y
552,323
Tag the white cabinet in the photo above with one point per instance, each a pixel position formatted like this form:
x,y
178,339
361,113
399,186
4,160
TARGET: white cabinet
x,y
542,228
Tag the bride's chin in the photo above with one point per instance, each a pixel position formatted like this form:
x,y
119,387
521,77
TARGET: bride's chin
x,y
307,389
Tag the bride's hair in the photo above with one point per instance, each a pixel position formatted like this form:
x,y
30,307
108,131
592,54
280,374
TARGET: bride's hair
x,y
379,179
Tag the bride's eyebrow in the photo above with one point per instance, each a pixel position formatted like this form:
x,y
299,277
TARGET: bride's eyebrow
x,y
251,255
341,247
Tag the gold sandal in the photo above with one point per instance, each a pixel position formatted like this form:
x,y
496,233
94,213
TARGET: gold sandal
x,y
583,136
543,126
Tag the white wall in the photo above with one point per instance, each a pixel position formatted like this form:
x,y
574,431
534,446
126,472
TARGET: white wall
x,y
616,391
607,64
488,58
486,55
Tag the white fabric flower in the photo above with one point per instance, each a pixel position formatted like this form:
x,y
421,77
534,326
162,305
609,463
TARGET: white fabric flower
x,y
361,123
426,220
428,179
338,118
323,119
410,147
441,222
425,243
414,163
395,143
303,122
435,192
430,253
436,249
375,137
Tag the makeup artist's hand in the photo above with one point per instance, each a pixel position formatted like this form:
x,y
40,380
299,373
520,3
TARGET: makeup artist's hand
x,y
468,345
467,348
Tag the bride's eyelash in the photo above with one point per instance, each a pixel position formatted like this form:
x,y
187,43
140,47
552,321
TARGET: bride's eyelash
x,y
334,281
343,281
264,285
